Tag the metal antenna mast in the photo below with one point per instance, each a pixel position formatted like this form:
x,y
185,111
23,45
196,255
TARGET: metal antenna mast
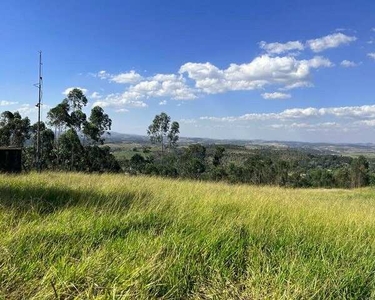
x,y
39,85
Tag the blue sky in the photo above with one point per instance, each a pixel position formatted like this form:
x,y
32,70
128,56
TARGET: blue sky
x,y
284,70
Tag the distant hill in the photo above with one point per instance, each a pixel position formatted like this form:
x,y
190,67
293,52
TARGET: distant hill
x,y
333,148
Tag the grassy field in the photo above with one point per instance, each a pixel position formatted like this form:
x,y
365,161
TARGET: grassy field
x,y
74,236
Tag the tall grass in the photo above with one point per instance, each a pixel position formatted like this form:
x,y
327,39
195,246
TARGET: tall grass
x,y
75,236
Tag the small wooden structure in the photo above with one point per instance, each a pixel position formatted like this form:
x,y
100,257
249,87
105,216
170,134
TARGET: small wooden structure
x,y
10,160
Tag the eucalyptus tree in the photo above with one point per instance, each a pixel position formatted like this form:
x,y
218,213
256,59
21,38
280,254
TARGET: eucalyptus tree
x,y
14,130
77,99
98,123
161,132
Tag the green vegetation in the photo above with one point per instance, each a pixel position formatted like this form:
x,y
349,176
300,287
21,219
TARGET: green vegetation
x,y
237,164
74,145
76,236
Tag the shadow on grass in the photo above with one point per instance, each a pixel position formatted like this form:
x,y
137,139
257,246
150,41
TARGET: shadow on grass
x,y
48,199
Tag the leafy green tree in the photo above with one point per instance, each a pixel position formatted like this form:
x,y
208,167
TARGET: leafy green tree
x,y
14,130
173,135
77,99
359,172
161,132
59,117
100,159
71,151
193,161
78,119
99,122
342,177
218,155
137,163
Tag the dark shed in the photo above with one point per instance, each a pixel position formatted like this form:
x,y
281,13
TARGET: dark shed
x,y
10,160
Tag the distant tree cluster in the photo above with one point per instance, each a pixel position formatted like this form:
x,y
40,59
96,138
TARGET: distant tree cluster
x,y
289,168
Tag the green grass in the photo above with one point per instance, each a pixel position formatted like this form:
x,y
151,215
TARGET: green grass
x,y
74,236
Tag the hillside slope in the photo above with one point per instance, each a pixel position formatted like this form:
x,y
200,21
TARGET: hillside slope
x,y
71,236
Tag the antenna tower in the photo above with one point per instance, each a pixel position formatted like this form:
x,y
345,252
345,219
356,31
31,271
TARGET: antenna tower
x,y
39,85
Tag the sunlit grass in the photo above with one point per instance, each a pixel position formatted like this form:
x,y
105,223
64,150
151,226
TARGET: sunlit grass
x,y
74,236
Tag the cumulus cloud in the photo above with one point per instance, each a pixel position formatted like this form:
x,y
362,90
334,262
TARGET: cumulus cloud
x,y
194,79
349,64
68,90
171,86
279,48
130,77
95,95
276,95
371,55
118,100
262,71
330,41
163,102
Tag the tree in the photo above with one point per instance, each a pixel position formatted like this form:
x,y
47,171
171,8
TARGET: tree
x,y
59,117
218,155
77,99
359,172
137,163
159,128
14,130
100,159
78,119
193,161
173,135
161,131
98,123
71,150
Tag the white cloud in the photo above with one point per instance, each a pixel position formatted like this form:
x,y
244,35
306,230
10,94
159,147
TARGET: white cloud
x,y
121,110
278,48
308,126
95,95
29,110
264,70
188,121
348,112
369,123
26,109
131,77
161,85
276,95
371,55
348,64
164,102
118,100
6,103
68,90
194,79
330,41
102,75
